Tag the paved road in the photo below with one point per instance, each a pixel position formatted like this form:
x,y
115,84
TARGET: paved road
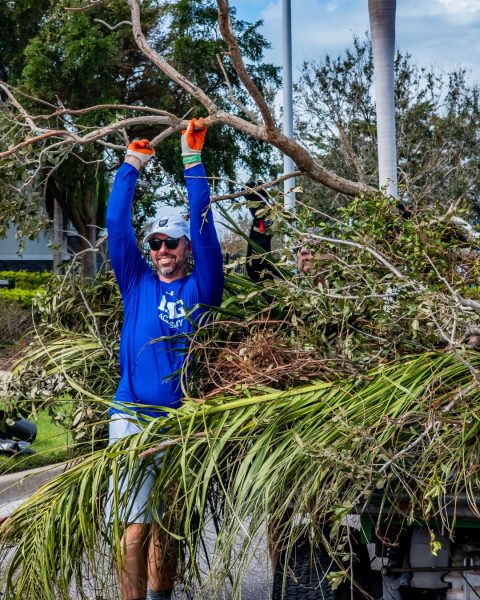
x,y
256,585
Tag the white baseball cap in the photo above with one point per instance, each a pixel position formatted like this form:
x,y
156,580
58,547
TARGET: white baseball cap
x,y
173,226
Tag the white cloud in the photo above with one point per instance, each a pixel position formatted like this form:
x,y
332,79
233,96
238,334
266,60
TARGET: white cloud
x,y
442,33
462,12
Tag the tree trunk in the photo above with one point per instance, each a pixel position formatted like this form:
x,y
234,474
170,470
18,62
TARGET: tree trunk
x,y
57,237
382,26
87,239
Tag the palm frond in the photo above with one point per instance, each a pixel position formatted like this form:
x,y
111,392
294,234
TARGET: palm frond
x,y
284,459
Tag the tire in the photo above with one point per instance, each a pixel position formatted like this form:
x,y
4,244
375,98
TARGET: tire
x,y
307,569
306,575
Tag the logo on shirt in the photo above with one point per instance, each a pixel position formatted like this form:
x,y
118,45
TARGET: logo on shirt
x,y
171,312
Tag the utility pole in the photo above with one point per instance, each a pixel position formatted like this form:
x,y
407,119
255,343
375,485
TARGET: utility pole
x,y
288,165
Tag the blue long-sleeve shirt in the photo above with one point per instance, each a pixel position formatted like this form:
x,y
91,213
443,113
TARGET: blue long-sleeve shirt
x,y
155,309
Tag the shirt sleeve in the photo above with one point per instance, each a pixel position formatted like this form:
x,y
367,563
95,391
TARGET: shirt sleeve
x,y
127,261
207,254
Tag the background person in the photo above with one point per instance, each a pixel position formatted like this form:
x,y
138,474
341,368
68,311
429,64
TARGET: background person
x,y
260,235
155,308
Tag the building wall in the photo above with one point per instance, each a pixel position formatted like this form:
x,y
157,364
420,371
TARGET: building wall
x,y
36,256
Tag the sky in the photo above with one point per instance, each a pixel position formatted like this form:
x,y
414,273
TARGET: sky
x,y
440,33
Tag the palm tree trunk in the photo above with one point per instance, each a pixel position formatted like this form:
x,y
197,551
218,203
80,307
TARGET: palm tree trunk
x,y
382,27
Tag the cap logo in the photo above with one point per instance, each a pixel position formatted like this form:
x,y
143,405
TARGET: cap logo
x,y
162,222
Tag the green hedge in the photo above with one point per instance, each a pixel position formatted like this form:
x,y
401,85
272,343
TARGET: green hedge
x,y
23,297
26,285
26,280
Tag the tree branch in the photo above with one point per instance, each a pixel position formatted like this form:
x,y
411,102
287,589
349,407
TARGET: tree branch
x,y
236,56
257,188
305,162
113,27
303,159
231,95
77,9
163,65
94,136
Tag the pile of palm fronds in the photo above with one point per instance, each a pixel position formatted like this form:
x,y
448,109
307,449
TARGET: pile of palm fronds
x,y
306,394
318,451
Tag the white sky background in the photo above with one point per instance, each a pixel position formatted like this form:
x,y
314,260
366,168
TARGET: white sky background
x,y
442,33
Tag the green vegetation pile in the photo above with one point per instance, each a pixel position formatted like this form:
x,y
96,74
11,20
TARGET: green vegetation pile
x,y
307,394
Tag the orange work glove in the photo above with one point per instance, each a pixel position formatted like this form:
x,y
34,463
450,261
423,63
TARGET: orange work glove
x,y
139,149
192,141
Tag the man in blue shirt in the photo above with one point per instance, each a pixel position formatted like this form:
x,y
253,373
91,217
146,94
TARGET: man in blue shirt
x,y
154,334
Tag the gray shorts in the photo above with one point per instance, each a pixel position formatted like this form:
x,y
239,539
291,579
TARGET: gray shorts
x,y
132,492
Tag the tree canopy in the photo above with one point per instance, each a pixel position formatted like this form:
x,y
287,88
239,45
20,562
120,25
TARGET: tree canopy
x,y
437,120
74,59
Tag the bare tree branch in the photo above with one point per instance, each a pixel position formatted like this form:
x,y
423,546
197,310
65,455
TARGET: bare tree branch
x,y
236,56
268,133
231,95
71,137
77,9
257,188
163,65
113,27
303,159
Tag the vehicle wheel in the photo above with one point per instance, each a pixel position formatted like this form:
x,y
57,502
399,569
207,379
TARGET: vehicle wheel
x,y
307,569
306,575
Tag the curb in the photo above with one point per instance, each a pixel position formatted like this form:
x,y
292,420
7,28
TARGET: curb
x,y
16,487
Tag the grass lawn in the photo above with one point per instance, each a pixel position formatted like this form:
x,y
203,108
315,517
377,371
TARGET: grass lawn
x,y
51,446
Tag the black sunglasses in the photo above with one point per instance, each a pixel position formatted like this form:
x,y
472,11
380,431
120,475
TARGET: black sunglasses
x,y
170,243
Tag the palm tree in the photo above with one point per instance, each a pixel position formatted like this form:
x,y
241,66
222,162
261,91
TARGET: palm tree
x,y
382,27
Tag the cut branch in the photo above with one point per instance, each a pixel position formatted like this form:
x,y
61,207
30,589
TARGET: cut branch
x,y
303,159
72,138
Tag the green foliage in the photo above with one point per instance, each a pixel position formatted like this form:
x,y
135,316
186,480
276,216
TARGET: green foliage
x,y
71,362
307,393
26,286
22,297
20,22
26,280
271,458
437,117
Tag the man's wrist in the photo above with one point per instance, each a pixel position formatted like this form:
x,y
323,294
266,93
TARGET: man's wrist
x,y
193,158
134,161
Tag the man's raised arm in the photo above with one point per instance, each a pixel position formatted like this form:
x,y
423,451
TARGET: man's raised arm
x,y
125,256
205,245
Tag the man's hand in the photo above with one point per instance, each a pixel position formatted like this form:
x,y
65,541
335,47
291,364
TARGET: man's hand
x,y
139,152
192,141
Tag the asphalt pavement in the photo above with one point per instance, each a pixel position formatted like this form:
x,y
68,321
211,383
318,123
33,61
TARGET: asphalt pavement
x,y
256,584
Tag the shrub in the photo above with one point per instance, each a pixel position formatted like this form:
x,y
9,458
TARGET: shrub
x,y
18,296
24,286
15,321
26,280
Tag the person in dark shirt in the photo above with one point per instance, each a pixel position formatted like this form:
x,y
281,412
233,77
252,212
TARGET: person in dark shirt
x,y
154,337
260,235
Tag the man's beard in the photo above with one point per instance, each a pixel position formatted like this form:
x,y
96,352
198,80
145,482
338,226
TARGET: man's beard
x,y
176,267
171,270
